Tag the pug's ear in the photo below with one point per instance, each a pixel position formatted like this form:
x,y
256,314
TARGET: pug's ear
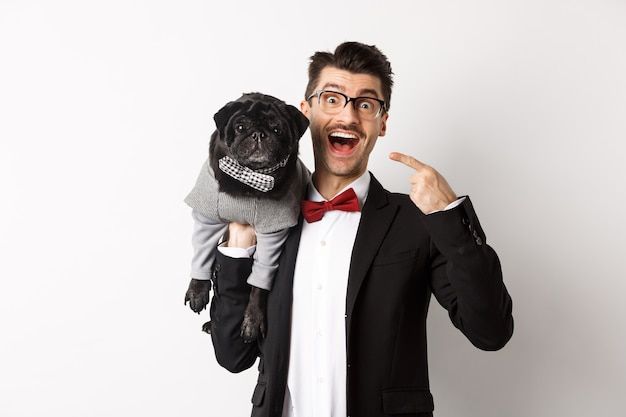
x,y
224,114
298,119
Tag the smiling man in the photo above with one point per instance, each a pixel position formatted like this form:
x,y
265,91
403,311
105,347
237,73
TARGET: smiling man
x,y
346,318
347,116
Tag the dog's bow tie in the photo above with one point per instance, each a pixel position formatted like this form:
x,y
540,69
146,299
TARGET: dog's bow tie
x,y
346,201
259,179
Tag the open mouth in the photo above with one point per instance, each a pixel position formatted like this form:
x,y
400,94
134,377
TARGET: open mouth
x,y
342,142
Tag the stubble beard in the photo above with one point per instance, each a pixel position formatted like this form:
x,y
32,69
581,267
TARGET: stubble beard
x,y
348,167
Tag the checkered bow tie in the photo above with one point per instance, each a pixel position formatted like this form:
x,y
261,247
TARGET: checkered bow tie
x,y
259,179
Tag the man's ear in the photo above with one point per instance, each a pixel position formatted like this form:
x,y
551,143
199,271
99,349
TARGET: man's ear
x,y
305,108
383,124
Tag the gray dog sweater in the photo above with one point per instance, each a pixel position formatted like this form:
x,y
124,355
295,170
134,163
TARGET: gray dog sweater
x,y
213,210
265,214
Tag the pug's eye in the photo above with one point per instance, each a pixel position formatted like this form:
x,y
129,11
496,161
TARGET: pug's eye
x,y
278,131
239,127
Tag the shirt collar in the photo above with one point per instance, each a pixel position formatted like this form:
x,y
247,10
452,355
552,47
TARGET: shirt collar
x,y
360,186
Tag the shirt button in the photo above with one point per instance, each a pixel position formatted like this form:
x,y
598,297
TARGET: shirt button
x,y
323,243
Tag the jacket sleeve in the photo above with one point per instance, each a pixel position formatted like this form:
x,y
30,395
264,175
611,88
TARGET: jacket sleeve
x,y
467,277
230,297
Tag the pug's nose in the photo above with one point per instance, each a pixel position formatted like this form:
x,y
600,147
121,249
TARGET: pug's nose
x,y
258,136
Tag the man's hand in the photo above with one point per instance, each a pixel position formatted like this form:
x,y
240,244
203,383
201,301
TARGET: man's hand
x,y
429,190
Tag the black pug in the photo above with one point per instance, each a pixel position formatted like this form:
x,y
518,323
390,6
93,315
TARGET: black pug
x,y
252,176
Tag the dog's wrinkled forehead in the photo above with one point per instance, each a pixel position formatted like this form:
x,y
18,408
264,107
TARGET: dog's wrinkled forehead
x,y
254,106
262,107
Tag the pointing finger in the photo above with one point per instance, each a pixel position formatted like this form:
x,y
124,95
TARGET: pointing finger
x,y
406,160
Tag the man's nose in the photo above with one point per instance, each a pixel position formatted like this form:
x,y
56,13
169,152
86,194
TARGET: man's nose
x,y
349,113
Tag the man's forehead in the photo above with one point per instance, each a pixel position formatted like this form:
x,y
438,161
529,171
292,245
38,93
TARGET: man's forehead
x,y
350,83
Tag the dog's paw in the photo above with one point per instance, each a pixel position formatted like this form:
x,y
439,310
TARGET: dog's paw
x,y
206,327
198,294
253,326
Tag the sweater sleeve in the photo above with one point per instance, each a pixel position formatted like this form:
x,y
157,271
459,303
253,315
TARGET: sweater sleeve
x,y
204,239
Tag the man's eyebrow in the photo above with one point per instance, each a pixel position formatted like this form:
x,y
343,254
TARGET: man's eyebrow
x,y
332,86
369,92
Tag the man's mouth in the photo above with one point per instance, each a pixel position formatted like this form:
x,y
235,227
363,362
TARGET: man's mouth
x,y
343,142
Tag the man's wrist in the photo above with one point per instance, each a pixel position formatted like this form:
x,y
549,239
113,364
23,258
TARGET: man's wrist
x,y
450,206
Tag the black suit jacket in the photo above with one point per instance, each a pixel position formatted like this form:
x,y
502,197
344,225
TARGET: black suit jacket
x,y
400,258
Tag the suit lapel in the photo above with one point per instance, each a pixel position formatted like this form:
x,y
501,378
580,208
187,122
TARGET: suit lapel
x,y
376,217
287,264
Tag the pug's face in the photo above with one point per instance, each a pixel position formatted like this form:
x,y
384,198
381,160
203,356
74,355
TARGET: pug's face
x,y
258,131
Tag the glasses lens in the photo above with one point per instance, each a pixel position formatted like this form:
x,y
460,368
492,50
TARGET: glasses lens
x,y
333,102
367,106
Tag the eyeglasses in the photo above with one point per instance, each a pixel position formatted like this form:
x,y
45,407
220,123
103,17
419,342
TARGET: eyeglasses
x,y
333,102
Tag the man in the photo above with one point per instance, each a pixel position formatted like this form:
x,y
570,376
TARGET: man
x,y
346,318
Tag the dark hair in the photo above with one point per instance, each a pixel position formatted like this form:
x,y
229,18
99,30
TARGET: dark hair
x,y
357,58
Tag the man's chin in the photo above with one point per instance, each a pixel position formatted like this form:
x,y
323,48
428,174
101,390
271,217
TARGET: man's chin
x,y
342,167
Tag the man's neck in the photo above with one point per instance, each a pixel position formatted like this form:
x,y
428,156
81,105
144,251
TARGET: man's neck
x,y
329,185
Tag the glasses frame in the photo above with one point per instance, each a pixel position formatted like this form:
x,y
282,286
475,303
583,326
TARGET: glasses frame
x,y
318,93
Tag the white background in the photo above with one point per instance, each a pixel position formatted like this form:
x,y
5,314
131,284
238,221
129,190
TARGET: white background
x,y
105,114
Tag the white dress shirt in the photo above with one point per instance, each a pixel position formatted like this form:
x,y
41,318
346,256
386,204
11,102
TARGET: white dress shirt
x,y
316,383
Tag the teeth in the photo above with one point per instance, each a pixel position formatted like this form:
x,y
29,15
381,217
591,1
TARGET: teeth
x,y
343,135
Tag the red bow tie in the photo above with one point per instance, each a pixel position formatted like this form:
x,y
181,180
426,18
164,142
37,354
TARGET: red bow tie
x,y
346,201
